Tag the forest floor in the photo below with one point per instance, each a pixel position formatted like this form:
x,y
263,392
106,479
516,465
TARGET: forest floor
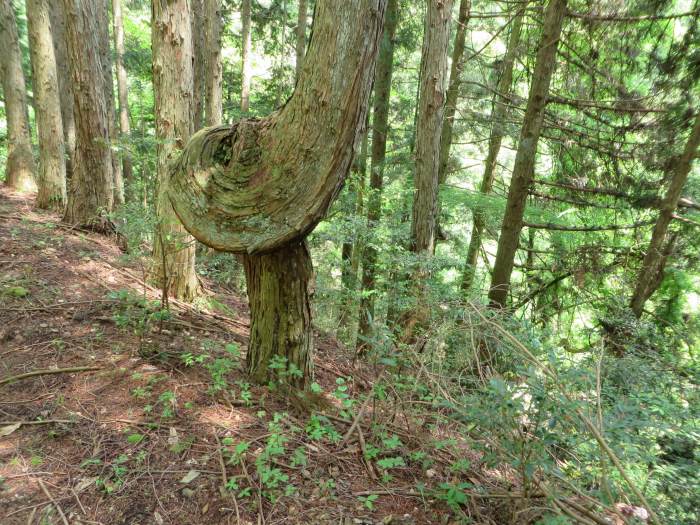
x,y
139,436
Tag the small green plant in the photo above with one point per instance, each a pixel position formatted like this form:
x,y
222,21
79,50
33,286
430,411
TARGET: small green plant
x,y
453,494
368,501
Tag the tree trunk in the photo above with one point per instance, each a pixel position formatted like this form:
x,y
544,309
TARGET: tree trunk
x,y
19,169
212,38
431,104
651,272
260,186
453,89
174,249
380,130
278,291
523,169
65,83
499,114
52,163
200,62
245,56
352,247
301,36
90,195
122,89
106,59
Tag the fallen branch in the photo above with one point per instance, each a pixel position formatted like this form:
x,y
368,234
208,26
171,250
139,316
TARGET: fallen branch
x,y
53,501
48,371
564,228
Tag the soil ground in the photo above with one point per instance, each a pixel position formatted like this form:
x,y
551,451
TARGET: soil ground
x,y
141,437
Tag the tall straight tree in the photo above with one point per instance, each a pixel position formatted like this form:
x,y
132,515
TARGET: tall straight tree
x,y
498,123
171,39
246,71
212,38
523,168
652,270
90,195
200,62
431,110
122,90
51,180
106,59
19,169
65,83
380,130
453,89
301,36
258,187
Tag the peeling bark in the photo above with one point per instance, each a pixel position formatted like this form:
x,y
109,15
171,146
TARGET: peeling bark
x,y
19,169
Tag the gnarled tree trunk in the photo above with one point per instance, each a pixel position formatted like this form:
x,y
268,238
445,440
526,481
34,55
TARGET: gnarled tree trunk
x,y
651,272
380,130
52,163
19,170
90,195
523,169
258,187
174,250
498,116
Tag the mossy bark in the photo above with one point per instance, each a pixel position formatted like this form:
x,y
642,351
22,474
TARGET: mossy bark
x,y
278,291
258,187
19,169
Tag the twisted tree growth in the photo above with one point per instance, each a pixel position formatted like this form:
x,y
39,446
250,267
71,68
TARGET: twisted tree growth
x,y
260,186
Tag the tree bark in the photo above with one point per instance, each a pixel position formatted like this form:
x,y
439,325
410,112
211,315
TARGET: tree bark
x,y
90,196
174,250
245,55
212,38
200,63
453,89
260,186
651,272
106,59
278,291
123,93
51,180
499,114
301,36
20,168
65,83
431,110
523,169
380,130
